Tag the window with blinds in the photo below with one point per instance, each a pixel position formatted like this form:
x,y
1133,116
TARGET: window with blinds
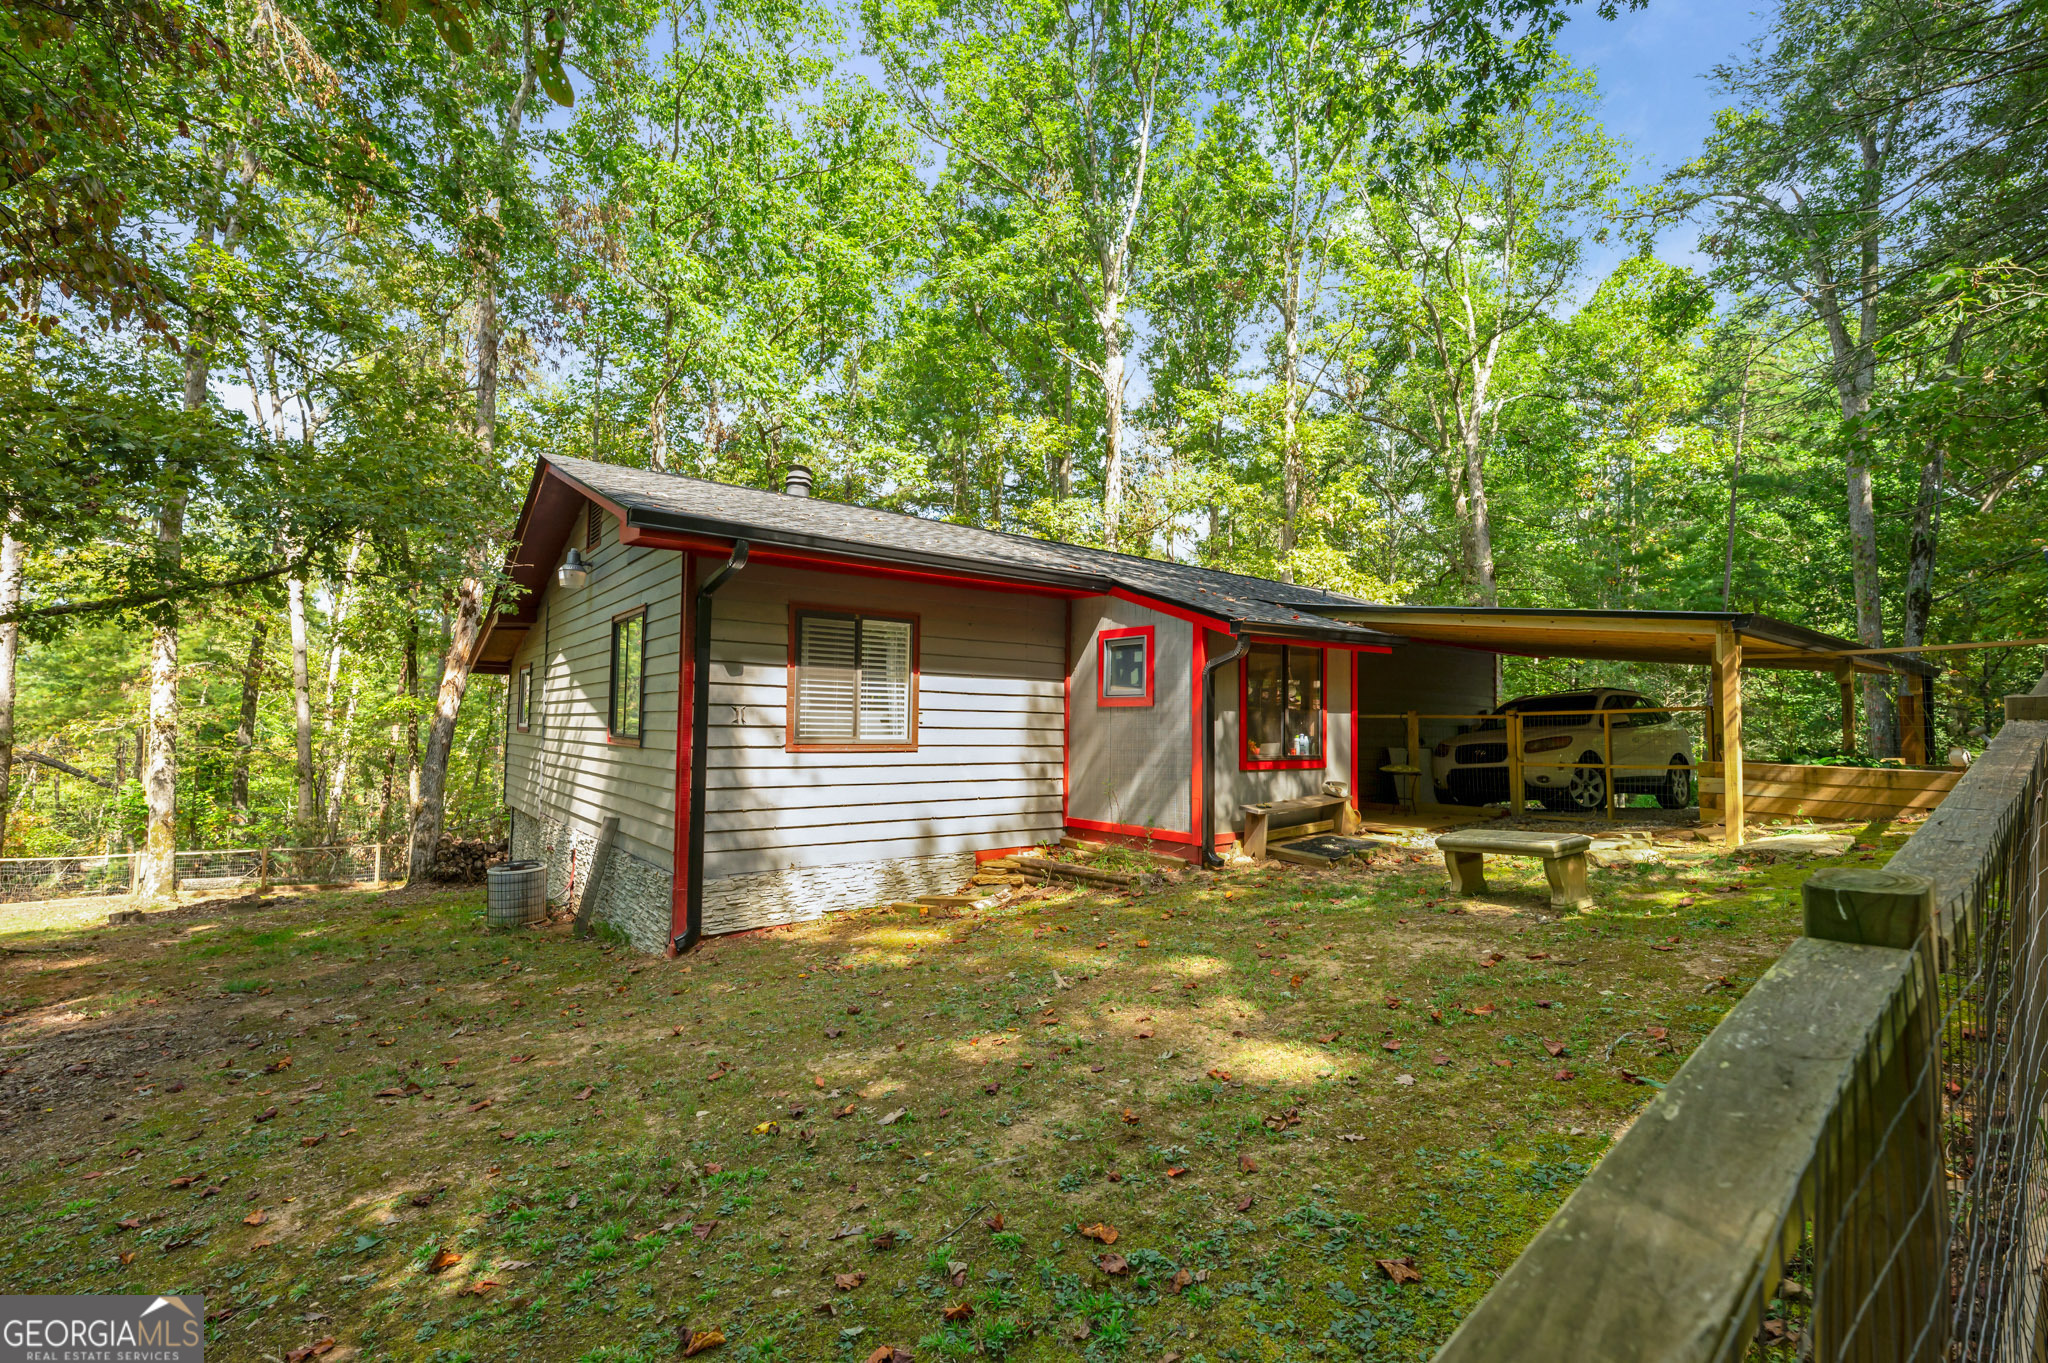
x,y
852,680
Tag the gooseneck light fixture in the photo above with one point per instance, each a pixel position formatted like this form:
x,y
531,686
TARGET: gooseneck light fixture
x,y
574,572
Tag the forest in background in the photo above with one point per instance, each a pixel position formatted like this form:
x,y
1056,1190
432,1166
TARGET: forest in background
x,y
296,291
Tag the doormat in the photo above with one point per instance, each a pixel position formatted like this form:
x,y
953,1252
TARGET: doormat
x,y
1332,847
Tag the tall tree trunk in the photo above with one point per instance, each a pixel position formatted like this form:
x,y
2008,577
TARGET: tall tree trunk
x,y
427,819
156,879
1479,542
1112,417
428,810
306,812
1063,469
1920,550
409,683
11,556
1290,402
245,732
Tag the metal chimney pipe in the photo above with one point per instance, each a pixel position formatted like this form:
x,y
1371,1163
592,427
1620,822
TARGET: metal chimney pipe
x,y
797,482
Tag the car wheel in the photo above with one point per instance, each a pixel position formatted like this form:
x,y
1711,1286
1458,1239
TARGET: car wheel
x,y
1587,789
1677,789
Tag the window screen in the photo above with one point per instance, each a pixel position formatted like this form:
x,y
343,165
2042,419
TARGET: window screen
x,y
853,679
629,636
1126,667
1283,704
522,698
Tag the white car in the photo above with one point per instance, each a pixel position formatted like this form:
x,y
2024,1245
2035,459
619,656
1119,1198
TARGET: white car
x,y
1563,747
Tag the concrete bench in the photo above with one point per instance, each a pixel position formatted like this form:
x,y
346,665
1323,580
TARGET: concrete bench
x,y
1564,861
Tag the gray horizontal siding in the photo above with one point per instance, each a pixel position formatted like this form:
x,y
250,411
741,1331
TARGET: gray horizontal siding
x,y
986,770
565,768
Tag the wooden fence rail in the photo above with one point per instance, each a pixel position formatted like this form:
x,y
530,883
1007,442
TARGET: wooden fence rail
x,y
1783,789
1851,1166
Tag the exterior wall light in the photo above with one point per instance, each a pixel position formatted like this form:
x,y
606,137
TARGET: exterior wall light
x,y
574,572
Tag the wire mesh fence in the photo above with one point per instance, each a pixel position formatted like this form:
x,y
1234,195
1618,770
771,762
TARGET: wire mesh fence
x,y
27,879
1850,1167
23,879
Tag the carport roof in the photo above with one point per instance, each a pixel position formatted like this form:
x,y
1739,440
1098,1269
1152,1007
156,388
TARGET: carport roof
x,y
1629,636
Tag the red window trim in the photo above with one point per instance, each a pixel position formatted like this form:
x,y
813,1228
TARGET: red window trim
x,y
1246,762
796,609
1102,642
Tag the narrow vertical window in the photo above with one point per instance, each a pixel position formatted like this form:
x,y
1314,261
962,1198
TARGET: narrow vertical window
x,y
628,683
522,699
852,681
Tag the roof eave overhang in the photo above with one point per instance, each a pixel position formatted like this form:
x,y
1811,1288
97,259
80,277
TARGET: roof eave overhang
x,y
712,528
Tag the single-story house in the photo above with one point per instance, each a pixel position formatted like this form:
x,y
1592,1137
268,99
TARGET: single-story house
x,y
791,706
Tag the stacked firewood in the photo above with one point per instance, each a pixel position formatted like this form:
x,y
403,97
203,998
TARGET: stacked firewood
x,y
462,861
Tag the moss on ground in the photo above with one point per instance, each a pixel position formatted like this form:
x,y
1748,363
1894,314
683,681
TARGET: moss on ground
x,y
366,1117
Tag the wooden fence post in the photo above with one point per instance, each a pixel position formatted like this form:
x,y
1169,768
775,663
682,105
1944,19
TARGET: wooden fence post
x,y
1415,760
1728,704
1880,1223
262,870
1515,789
377,864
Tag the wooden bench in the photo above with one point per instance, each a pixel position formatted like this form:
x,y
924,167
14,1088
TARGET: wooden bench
x,y
1309,814
1564,860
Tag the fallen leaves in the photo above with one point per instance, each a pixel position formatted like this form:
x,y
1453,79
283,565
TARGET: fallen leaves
x,y
958,1312
306,1351
1101,1231
702,1340
846,1282
1401,1270
892,1118
1113,1264
443,1260
888,1353
1247,1165
255,1218
1556,1048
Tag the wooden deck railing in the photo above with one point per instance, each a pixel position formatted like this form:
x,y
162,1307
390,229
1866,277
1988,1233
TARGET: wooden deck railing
x,y
1850,1166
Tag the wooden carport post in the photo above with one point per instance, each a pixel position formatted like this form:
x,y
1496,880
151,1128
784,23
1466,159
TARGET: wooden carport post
x,y
1728,721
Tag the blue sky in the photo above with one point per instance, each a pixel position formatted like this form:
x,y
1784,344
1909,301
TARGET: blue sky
x,y
1652,66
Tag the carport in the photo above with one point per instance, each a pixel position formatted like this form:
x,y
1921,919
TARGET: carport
x,y
1725,642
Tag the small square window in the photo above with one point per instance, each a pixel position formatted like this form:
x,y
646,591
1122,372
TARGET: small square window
x,y
1126,664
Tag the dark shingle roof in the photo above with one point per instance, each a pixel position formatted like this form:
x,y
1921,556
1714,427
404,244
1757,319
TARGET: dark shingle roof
x,y
671,501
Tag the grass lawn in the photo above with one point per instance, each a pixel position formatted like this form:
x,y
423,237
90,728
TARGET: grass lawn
x,y
1214,1121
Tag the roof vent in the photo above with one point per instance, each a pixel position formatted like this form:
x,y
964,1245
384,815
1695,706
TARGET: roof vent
x,y
797,482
